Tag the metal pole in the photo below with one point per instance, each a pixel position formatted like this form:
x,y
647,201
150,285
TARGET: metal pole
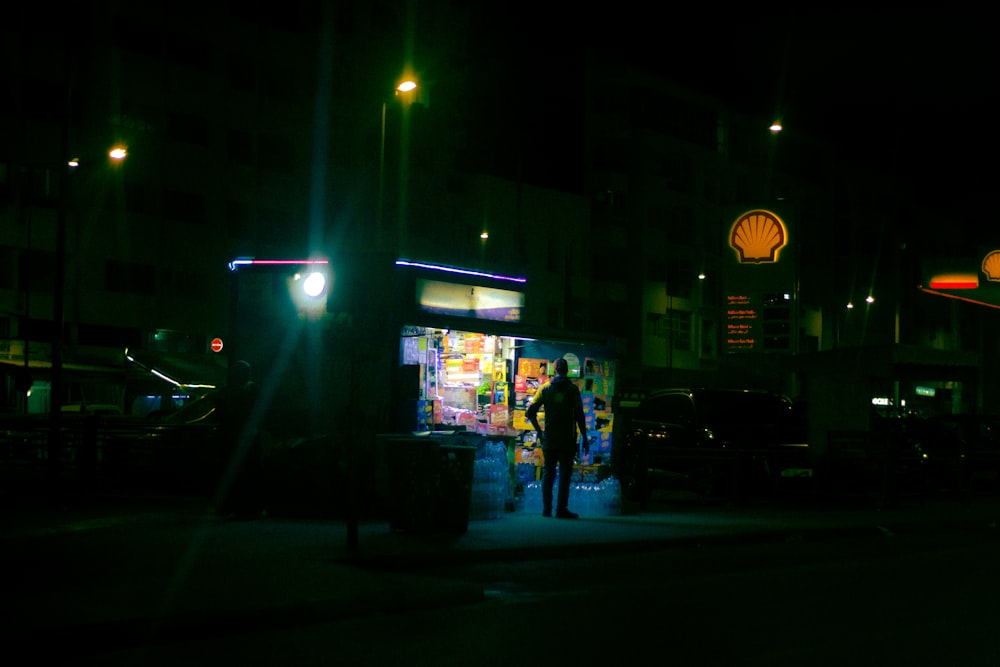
x,y
379,231
55,391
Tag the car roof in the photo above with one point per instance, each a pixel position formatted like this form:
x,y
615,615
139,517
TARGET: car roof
x,y
709,390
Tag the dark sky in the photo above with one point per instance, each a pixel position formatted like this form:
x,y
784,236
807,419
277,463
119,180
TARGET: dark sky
x,y
908,89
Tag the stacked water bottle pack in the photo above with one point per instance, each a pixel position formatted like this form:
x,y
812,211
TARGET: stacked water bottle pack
x,y
587,498
490,483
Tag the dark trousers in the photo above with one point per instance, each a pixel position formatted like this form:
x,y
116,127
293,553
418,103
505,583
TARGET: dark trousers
x,y
562,456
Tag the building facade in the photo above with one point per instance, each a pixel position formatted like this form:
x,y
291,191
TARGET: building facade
x,y
282,136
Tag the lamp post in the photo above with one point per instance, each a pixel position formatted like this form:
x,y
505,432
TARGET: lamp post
x,y
406,86
117,154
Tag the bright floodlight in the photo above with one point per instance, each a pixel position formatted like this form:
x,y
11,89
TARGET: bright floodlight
x,y
118,153
406,86
314,284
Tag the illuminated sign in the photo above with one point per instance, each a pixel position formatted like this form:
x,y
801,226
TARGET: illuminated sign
x,y
991,266
758,237
484,303
741,323
954,280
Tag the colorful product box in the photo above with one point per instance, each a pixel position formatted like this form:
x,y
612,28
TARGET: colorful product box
x,y
603,442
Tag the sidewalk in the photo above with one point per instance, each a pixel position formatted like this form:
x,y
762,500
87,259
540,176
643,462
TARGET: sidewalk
x,y
94,574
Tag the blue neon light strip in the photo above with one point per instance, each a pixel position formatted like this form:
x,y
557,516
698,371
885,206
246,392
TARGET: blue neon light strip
x,y
464,272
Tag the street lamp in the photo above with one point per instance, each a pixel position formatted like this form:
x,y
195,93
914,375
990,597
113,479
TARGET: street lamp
x,y
116,153
407,86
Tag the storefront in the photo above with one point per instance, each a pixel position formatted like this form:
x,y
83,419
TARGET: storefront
x,y
399,356
469,363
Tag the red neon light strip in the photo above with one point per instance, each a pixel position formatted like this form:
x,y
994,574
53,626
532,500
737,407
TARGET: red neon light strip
x,y
954,284
959,298
288,261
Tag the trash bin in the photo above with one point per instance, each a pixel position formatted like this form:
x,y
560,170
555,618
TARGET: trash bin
x,y
413,466
457,463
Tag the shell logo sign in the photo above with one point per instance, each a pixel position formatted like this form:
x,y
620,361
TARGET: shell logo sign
x,y
758,237
991,266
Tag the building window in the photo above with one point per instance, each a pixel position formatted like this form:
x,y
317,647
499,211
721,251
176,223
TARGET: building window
x,y
9,267
137,37
239,145
709,339
129,277
188,128
140,199
658,218
185,284
276,154
186,51
674,326
279,85
677,275
4,182
610,208
242,76
611,157
185,206
237,220
674,168
37,270
40,187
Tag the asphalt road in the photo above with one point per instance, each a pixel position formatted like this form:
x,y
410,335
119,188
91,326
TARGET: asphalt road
x,y
886,600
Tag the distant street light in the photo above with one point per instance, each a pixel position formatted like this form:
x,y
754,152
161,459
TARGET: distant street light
x,y
117,153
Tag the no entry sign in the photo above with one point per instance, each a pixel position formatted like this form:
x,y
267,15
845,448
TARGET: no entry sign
x,y
216,345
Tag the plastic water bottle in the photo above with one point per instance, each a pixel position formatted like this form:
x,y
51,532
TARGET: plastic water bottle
x,y
613,496
533,497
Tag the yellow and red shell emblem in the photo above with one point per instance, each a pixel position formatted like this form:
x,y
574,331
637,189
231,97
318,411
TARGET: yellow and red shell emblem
x,y
758,237
991,266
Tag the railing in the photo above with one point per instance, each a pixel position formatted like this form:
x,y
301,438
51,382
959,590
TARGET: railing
x,y
111,451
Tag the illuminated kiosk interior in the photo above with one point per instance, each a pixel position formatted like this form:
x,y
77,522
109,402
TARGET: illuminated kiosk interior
x,y
479,371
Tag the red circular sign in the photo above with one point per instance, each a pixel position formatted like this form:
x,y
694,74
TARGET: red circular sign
x,y
216,345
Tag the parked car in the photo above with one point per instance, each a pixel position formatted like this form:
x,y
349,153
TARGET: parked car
x,y
958,452
713,441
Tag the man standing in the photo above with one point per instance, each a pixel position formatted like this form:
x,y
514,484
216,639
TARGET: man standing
x,y
563,415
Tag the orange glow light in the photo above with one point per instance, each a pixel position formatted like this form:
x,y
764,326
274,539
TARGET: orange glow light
x,y
954,281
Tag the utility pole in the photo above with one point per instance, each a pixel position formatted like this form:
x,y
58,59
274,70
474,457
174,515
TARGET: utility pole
x,y
58,303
